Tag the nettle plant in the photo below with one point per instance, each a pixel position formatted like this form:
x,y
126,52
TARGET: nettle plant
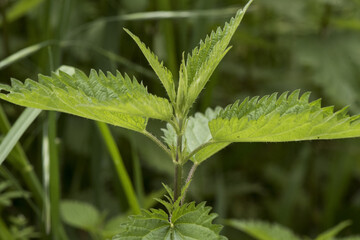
x,y
122,101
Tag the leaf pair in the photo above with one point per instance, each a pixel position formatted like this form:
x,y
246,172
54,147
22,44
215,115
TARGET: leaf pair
x,y
198,67
122,101
190,222
186,222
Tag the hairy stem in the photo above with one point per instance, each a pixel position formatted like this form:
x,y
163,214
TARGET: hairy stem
x,y
198,149
178,162
188,179
157,141
178,181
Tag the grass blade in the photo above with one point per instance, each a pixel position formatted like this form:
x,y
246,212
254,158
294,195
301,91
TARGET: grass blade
x,y
46,178
20,8
28,51
332,232
110,55
20,162
23,53
224,12
51,174
167,29
13,136
4,232
120,167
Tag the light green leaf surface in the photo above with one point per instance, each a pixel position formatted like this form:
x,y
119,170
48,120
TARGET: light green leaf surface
x,y
197,133
161,71
332,232
117,100
262,230
80,215
200,64
287,118
188,222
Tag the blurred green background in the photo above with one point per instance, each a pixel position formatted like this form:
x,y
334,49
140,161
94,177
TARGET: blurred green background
x,y
281,45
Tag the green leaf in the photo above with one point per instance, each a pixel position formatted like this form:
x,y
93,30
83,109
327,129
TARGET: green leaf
x,y
161,71
117,100
188,222
170,136
197,133
80,215
332,232
200,64
287,118
262,230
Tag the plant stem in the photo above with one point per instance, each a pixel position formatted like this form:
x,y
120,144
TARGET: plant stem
x,y
178,162
120,167
178,180
188,179
157,141
196,150
54,184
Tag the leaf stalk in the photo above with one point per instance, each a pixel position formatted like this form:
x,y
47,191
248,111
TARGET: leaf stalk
x,y
196,150
158,142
